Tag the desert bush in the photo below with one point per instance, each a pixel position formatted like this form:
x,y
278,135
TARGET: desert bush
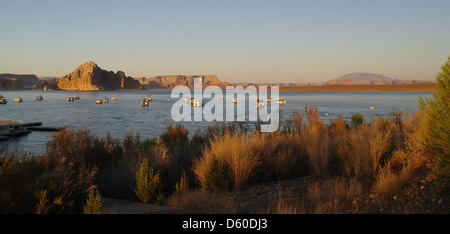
x,y
230,159
94,202
437,132
357,120
147,182
63,186
361,150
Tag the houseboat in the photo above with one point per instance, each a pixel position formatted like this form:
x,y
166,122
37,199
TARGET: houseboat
x,y
18,100
99,101
10,128
281,101
39,98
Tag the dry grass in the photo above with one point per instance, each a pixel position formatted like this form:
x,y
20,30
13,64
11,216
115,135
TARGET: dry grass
x,y
331,196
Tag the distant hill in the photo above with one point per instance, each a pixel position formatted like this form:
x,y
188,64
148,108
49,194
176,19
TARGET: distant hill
x,y
349,79
364,77
170,81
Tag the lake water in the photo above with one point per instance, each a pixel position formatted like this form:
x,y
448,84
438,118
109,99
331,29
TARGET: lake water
x,y
126,114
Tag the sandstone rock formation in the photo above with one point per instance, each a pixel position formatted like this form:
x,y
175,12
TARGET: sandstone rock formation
x,y
90,77
167,82
15,81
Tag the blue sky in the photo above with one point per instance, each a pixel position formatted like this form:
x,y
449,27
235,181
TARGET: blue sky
x,y
239,41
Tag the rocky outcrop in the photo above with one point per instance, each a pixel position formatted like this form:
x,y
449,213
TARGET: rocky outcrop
x,y
167,82
10,84
90,77
16,81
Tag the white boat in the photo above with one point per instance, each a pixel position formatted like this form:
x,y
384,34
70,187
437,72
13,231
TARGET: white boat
x,y
235,101
269,99
70,99
259,104
372,108
149,98
187,99
114,99
12,128
99,101
3,101
281,101
39,98
145,103
18,100
195,103
105,100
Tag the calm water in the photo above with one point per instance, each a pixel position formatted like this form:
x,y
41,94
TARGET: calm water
x,y
126,114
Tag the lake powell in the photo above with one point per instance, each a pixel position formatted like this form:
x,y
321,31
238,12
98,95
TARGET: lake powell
x,y
126,114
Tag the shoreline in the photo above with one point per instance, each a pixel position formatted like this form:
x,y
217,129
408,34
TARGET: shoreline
x,y
319,88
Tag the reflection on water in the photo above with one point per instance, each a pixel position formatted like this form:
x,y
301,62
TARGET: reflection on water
x,y
126,114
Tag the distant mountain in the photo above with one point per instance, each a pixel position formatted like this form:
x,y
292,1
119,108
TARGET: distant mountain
x,y
349,79
170,81
364,77
368,79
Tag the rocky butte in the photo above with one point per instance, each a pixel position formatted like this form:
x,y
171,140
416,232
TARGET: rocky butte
x,y
90,77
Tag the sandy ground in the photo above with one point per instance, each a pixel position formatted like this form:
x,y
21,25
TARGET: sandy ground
x,y
118,206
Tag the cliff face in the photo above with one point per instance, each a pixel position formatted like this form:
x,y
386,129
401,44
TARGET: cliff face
x,y
90,77
15,81
167,82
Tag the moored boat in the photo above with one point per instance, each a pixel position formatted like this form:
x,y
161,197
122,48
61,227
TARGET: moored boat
x,y
12,128
281,101
39,98
99,101
18,100
105,100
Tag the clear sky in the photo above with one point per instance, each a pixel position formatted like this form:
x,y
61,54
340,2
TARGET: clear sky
x,y
237,40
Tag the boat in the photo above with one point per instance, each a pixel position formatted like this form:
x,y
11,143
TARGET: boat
x,y
39,98
195,103
259,104
114,99
3,100
281,101
187,99
105,100
269,99
70,99
149,98
235,101
145,103
10,128
18,100
372,108
99,101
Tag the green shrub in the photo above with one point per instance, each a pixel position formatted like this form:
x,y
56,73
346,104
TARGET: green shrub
x,y
357,120
437,112
147,182
93,203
